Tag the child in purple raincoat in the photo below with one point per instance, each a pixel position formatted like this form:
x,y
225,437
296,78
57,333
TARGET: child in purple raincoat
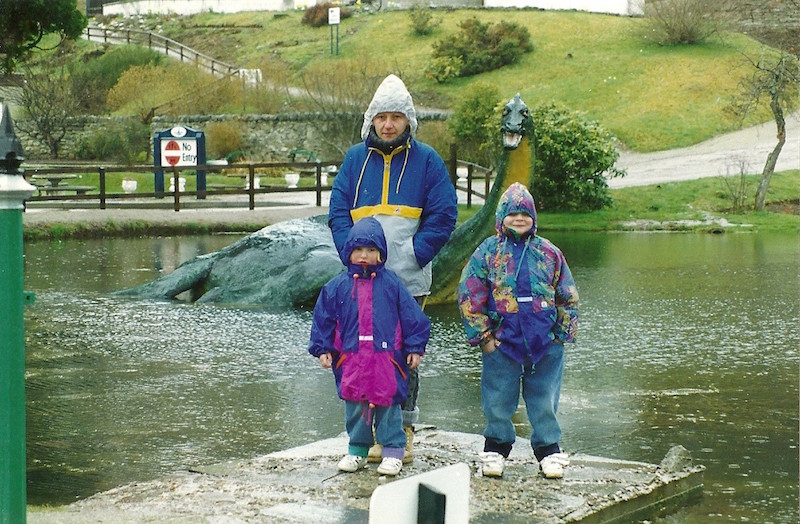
x,y
371,331
519,303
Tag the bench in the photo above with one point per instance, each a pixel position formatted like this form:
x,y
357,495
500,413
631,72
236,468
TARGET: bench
x,y
79,190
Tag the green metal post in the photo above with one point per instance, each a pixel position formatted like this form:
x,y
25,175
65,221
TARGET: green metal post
x,y
13,192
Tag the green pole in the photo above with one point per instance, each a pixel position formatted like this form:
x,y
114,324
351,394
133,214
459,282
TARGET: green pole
x,y
13,191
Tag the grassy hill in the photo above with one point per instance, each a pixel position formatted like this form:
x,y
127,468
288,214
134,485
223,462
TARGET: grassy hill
x,y
651,97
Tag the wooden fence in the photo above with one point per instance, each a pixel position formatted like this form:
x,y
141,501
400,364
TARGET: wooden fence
x,y
54,183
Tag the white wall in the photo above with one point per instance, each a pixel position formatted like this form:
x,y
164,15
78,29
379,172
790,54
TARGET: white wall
x,y
188,7
618,7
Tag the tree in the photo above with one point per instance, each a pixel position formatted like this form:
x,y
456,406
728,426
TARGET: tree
x,y
48,101
775,77
23,24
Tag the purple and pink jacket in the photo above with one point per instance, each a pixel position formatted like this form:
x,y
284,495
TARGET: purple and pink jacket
x,y
369,322
519,288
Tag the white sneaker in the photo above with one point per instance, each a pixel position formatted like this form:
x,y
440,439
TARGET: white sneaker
x,y
492,464
352,463
552,466
390,466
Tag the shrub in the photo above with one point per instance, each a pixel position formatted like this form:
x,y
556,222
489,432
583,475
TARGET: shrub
x,y
317,15
670,22
442,69
92,79
572,155
477,142
484,47
125,142
222,138
422,21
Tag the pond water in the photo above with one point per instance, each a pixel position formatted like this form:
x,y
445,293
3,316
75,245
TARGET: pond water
x,y
685,339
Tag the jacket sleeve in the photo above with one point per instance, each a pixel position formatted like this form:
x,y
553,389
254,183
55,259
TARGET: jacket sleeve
x,y
339,219
415,325
566,328
473,296
439,211
323,324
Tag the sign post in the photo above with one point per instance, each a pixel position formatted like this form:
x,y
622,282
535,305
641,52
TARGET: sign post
x,y
176,147
334,15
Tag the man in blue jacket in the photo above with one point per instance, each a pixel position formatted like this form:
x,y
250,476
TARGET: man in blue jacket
x,y
405,185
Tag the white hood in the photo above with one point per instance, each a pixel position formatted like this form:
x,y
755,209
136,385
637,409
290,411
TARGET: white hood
x,y
390,97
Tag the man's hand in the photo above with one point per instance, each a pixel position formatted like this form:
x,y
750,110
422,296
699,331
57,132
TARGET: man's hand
x,y
413,360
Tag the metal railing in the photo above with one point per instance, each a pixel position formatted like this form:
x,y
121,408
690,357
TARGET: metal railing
x,y
163,45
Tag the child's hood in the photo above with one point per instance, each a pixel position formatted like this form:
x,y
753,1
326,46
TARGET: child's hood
x,y
365,232
515,199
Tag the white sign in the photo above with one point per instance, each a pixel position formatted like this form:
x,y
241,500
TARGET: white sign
x,y
333,15
178,152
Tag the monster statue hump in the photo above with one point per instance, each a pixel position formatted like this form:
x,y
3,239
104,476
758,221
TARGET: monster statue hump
x,y
286,264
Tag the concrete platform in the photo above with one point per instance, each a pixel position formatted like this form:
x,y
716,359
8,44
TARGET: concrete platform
x,y
302,485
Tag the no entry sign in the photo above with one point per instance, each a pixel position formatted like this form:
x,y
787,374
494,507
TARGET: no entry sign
x,y
177,147
179,152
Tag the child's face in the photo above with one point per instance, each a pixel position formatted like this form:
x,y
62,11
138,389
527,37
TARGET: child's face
x,y
365,255
519,222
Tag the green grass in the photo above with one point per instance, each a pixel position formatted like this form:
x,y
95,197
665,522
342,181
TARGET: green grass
x,y
651,97
668,204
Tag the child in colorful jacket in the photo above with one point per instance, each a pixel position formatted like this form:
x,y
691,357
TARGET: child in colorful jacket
x,y
371,331
518,301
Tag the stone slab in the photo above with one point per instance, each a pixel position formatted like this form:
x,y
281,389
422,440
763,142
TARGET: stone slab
x,y
302,484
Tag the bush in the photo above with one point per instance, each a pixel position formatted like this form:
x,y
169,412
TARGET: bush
x,y
422,21
572,155
125,142
444,68
670,22
177,90
93,79
474,125
317,15
484,47
222,138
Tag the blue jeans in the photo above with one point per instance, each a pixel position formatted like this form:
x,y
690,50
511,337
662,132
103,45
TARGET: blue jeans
x,y
388,422
541,386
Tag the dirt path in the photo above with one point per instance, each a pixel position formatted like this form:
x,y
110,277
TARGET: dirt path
x,y
722,155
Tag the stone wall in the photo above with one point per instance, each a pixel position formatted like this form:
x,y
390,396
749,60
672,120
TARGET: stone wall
x,y
265,137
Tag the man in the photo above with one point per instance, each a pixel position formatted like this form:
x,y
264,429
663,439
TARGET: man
x,y
404,184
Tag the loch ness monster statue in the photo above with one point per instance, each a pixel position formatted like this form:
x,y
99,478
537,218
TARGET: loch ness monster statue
x,y
284,265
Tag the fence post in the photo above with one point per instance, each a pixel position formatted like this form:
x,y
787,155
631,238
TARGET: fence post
x,y
251,171
319,184
177,192
469,185
102,173
453,163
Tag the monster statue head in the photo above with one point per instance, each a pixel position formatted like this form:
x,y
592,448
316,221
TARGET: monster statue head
x,y
516,123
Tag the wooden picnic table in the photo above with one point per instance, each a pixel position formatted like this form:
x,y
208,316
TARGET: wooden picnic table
x,y
54,179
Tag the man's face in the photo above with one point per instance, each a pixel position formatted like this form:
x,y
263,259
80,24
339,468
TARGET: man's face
x,y
389,126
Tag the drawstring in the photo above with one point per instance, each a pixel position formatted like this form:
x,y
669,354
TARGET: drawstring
x,y
402,171
356,276
367,413
519,265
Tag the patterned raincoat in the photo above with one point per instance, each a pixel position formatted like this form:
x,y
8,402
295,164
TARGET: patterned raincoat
x,y
369,323
520,289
